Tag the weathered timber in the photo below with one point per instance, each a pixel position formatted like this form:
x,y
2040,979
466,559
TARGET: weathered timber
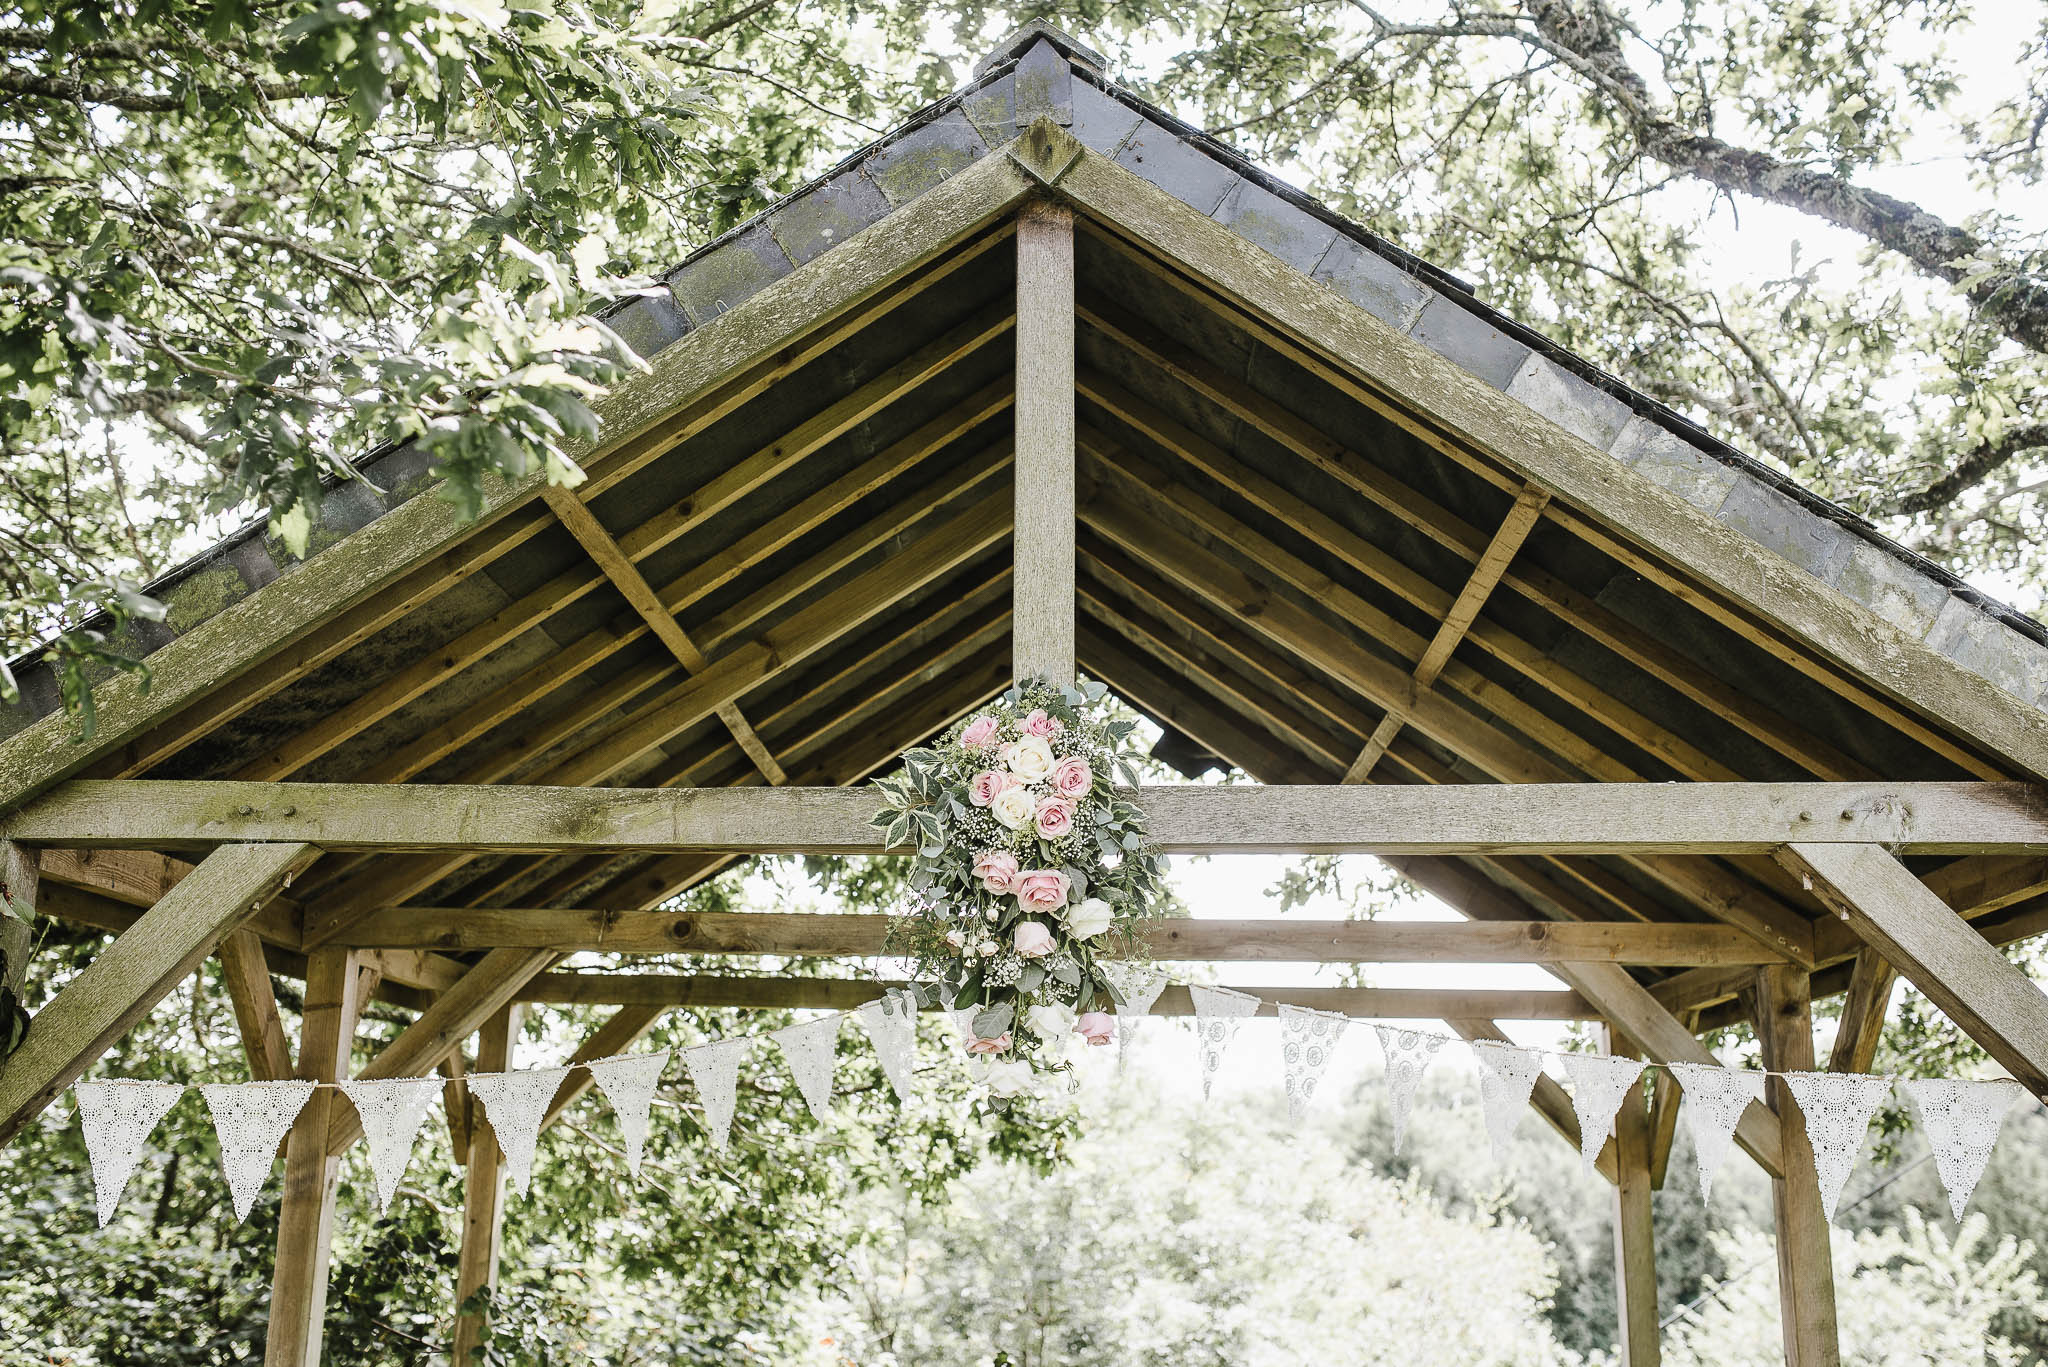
x,y
1043,617
1500,818
132,974
1806,1274
1978,988
1464,411
1389,1003
483,1189
803,935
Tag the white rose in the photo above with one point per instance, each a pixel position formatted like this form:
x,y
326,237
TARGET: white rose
x,y
1010,1077
1014,807
1052,1021
1031,759
1089,919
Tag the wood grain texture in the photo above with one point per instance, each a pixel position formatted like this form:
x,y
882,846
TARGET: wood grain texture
x,y
483,1186
1387,1003
1496,818
20,877
1528,448
247,974
305,1228
1635,1245
131,975
1292,940
1978,988
1806,1275
1043,619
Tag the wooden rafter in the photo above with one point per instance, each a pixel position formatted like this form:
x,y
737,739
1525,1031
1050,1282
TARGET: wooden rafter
x,y
1521,520
604,550
1470,422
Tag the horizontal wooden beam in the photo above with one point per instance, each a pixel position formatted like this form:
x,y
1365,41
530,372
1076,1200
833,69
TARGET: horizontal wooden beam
x,y
1519,818
1292,940
843,994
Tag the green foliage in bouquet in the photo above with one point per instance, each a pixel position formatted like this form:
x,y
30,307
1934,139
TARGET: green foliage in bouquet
x,y
1032,870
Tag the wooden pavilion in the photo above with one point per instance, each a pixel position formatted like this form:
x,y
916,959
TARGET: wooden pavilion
x,y
1047,367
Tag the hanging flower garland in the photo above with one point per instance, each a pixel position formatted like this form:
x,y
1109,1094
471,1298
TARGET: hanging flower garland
x,y
1032,865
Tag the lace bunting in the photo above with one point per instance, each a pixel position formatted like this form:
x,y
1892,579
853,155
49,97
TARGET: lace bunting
x,y
117,1116
1837,1107
1308,1039
1408,1054
628,1082
252,1119
963,1022
392,1110
1715,1099
1600,1083
1962,1119
1139,986
715,1070
812,1051
891,1023
515,1103
1218,1013
1507,1075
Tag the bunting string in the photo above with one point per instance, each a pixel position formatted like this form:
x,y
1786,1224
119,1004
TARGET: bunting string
x,y
1961,1117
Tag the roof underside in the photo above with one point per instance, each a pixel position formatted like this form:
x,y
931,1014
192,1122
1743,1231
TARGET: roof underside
x,y
1259,553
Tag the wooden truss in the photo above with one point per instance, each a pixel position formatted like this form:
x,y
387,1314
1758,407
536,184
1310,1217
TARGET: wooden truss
x,y
180,870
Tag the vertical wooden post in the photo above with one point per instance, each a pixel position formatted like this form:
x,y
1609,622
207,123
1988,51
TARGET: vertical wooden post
x,y
483,1189
1635,1252
1043,620
1806,1271
18,876
305,1225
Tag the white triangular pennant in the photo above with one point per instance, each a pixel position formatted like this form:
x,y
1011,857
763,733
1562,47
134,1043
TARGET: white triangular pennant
x,y
715,1070
1837,1107
1962,1119
252,1119
392,1110
1308,1040
1507,1074
1408,1057
515,1103
1599,1084
812,1050
1218,1012
1715,1099
628,1082
1139,985
892,1026
117,1116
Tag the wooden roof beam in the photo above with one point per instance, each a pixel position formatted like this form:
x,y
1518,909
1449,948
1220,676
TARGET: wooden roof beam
x,y
800,935
844,994
625,576
1514,529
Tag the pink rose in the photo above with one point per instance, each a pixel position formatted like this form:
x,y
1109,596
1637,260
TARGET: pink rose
x,y
1038,724
1097,1027
1032,940
1072,777
997,870
999,1045
1055,818
986,786
979,732
1040,890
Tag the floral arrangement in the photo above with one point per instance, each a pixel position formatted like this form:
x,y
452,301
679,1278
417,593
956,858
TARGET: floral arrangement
x,y
1031,866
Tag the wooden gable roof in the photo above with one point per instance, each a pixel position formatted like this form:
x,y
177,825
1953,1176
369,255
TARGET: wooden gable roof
x,y
1337,520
